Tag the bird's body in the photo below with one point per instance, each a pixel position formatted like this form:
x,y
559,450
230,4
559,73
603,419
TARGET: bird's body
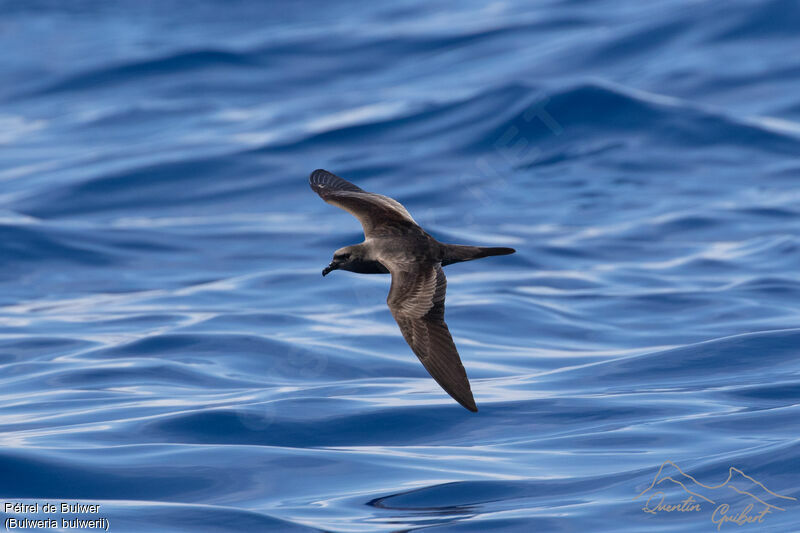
x,y
395,244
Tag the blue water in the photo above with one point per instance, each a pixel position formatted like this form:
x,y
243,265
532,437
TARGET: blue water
x,y
169,350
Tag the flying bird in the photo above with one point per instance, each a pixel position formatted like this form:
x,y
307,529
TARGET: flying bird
x,y
395,244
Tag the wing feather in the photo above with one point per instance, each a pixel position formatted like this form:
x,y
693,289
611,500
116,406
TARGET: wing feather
x,y
416,300
375,212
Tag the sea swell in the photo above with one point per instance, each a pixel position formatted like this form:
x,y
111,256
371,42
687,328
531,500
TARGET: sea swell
x,y
170,351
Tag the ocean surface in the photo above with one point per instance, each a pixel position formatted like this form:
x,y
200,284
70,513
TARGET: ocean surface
x,y
170,352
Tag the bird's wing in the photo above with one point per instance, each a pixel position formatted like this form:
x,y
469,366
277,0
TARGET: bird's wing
x,y
416,300
374,211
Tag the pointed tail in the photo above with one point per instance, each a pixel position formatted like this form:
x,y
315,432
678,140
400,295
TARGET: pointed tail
x,y
456,253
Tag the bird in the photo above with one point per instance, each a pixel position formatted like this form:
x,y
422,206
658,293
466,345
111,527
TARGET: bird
x,y
395,244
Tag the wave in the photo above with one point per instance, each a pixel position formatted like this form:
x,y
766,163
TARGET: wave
x,y
731,360
74,473
494,119
35,243
156,185
134,71
588,121
770,19
170,350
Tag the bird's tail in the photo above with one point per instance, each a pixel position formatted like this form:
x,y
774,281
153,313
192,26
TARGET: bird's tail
x,y
456,253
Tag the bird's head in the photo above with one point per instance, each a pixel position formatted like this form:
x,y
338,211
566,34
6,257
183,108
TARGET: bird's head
x,y
343,259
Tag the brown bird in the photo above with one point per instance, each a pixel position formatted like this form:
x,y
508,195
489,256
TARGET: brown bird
x,y
395,244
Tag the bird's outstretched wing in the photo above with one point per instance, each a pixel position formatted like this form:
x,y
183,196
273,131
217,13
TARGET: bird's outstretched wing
x,y
416,300
375,212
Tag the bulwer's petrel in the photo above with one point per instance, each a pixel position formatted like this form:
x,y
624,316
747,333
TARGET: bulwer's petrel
x,y
394,243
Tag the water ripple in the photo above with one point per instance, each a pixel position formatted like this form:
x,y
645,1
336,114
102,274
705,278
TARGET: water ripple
x,y
170,351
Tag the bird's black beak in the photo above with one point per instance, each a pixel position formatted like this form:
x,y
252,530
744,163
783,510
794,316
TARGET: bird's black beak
x,y
330,268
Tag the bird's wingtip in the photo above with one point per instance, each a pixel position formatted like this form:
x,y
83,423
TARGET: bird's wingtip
x,y
318,176
322,180
468,403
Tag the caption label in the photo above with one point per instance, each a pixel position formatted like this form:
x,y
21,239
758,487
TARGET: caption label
x,y
52,515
